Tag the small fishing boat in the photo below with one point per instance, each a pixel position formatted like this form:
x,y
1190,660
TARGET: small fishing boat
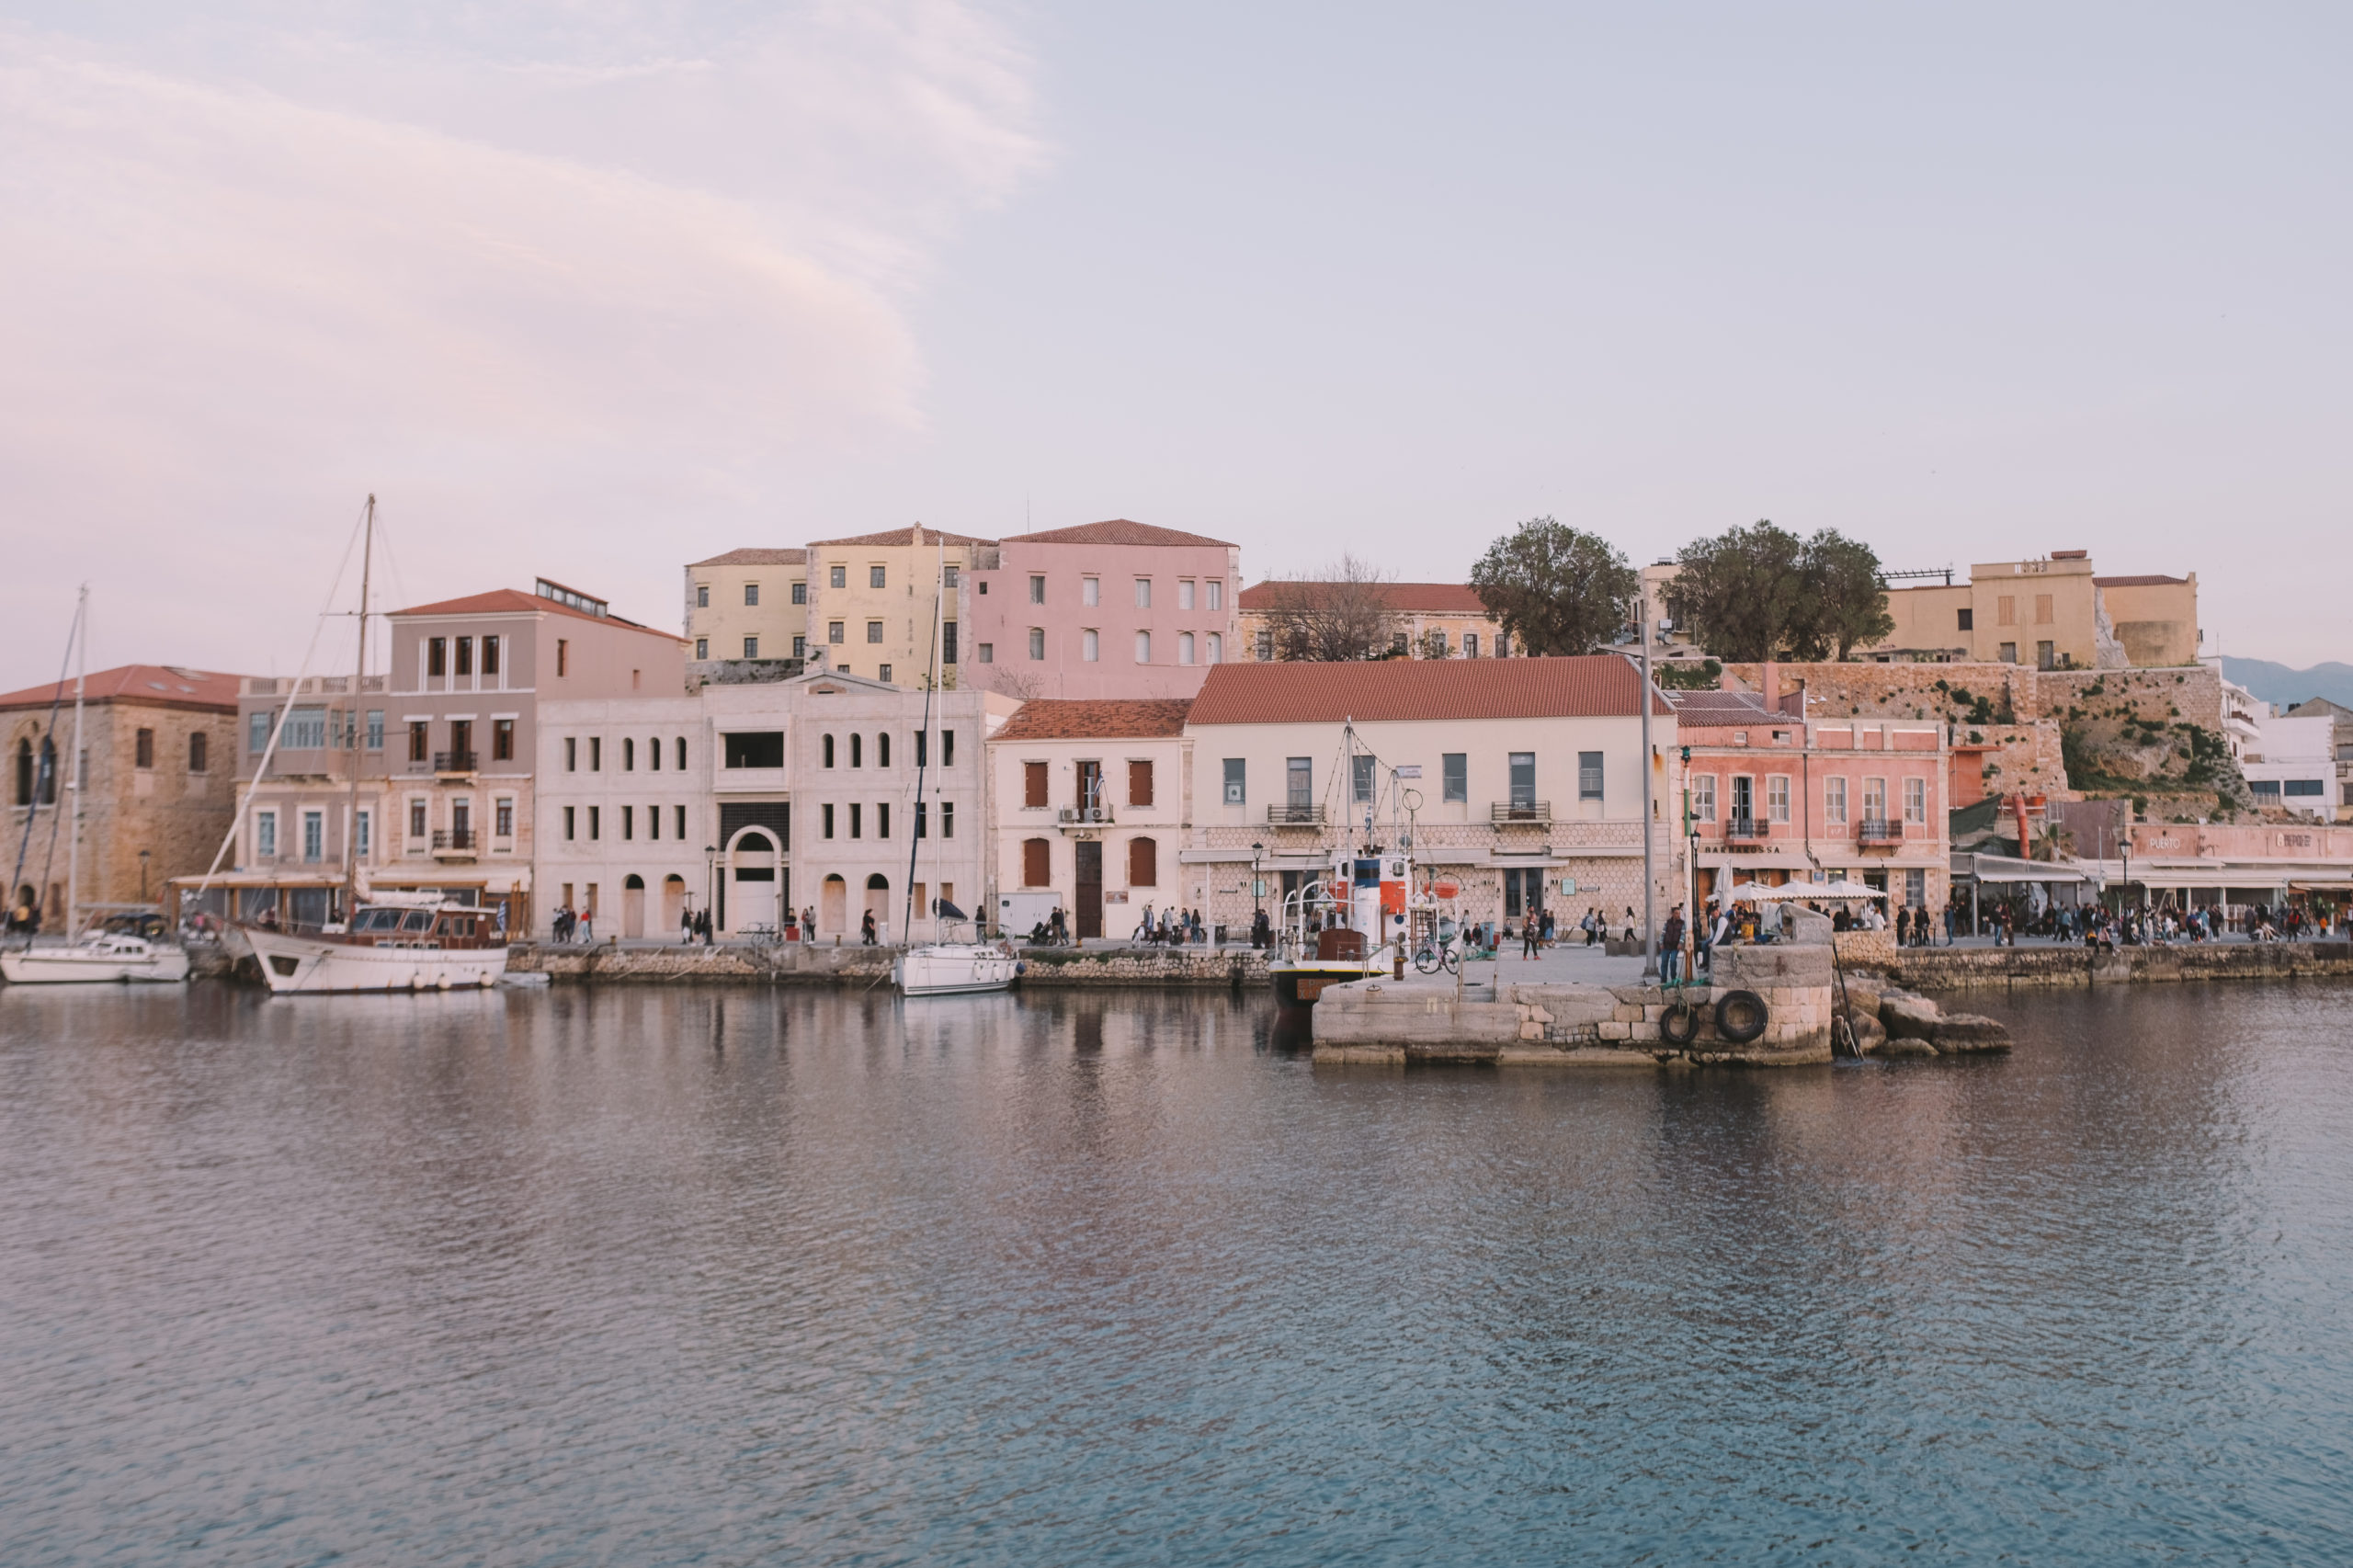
x,y
394,942
99,958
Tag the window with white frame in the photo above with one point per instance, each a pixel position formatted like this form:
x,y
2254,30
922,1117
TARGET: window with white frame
x,y
1090,590
502,816
1834,800
1184,647
1143,647
1915,800
1776,798
1703,797
417,819
1090,645
365,840
315,835
1217,593
1143,593
264,835
1037,587
1874,799
1588,776
1184,592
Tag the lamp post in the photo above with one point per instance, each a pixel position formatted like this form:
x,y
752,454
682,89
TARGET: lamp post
x,y
1256,887
710,875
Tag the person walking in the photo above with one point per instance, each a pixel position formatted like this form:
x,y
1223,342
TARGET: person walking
x,y
865,929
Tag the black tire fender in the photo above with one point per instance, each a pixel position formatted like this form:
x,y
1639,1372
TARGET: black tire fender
x,y
1679,1024
1740,1015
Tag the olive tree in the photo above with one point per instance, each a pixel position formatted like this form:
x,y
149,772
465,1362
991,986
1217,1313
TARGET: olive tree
x,y
1555,588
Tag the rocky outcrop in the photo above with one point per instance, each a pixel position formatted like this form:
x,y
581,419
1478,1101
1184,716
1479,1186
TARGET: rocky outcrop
x,y
1891,1022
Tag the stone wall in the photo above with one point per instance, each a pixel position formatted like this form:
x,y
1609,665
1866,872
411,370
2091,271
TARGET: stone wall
x,y
1962,969
809,963
2193,692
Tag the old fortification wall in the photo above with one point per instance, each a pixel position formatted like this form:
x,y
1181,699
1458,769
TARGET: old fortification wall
x,y
1962,969
807,964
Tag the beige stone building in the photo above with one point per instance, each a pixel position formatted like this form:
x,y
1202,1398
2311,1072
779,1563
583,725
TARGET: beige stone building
x,y
1432,620
873,599
747,604
159,760
2053,613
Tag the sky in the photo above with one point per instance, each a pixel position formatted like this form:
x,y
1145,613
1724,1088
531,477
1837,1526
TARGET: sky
x,y
590,289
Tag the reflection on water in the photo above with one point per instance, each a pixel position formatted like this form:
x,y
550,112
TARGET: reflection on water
x,y
652,1275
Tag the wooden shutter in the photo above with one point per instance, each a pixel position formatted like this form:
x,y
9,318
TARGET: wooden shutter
x,y
1139,783
1143,863
1037,861
1033,783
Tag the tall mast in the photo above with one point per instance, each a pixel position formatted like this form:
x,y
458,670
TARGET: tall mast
x,y
351,725
73,763
923,750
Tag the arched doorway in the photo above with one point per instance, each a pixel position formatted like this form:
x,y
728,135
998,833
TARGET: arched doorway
x,y
750,879
833,907
877,904
633,905
674,902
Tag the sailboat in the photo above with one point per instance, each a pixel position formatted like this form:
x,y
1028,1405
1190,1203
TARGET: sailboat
x,y
953,968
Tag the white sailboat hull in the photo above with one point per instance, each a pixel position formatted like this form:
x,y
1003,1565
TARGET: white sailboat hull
x,y
84,966
293,964
947,968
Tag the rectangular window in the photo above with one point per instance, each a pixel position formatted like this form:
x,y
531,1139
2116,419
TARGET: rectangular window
x,y
1915,800
703,647
502,740
856,820
1968,619
874,632
1090,591
562,656
629,822
502,816
265,835
826,821
436,657
1916,888
306,729
1184,592
1037,587
1299,778
571,753
416,810
2009,652
1523,781
837,576
1834,800
653,821
1139,783
800,647
800,592
833,632
882,819
1703,797
986,652
1033,785
595,823
1037,642
2045,656
1874,799
1090,645
375,729
947,821
143,749
1776,798
923,747
1588,776
949,575
751,647
1143,593
753,748
2310,787
947,641
678,821
315,835
702,596
1360,780
751,594
2042,616
1235,794
1454,776
1143,647
1217,593
366,837
874,575
256,733
2005,610
419,741
923,819
1264,648
596,754
1036,863
1470,644
465,656
199,752
570,821
946,748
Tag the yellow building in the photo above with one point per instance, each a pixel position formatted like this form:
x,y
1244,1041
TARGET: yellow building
x,y
1428,620
2052,613
872,600
747,604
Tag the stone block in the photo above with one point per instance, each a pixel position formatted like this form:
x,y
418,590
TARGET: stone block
x,y
1958,1033
1909,1017
1617,1030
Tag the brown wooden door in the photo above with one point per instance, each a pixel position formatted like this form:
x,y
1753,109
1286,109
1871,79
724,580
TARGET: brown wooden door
x,y
1089,913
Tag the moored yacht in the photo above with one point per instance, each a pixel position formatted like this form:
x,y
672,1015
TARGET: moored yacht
x,y
394,942
99,958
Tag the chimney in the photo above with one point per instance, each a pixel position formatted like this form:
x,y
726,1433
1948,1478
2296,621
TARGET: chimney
x,y
1771,682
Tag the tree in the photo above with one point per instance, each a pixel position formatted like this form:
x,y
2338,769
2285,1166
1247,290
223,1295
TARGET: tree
x,y
1762,592
1341,616
1554,589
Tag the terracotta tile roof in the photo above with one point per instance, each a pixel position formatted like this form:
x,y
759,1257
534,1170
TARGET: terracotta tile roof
x,y
514,601
1590,686
1118,530
1402,599
1058,719
755,558
2148,581
164,685
918,534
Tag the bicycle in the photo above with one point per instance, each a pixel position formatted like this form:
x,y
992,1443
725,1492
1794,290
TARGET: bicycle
x,y
1433,956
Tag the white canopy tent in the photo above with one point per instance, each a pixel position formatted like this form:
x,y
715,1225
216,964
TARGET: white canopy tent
x,y
1843,890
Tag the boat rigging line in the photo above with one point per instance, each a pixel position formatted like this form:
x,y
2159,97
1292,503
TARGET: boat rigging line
x,y
48,755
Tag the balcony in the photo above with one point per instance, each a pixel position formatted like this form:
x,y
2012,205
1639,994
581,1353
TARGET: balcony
x,y
455,843
1537,812
1878,833
1746,829
1083,816
1298,813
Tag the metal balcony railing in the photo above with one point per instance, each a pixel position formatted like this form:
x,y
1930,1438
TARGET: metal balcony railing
x,y
1520,811
1296,816
1880,830
1745,830
456,838
454,762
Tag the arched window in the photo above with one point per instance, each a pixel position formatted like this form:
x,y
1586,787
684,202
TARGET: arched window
x,y
633,884
654,753
1036,863
629,755
827,749
857,751
45,780
682,754
882,749
877,882
1143,863
24,773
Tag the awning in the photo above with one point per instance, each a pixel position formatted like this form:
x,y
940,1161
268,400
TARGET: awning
x,y
2302,884
2005,869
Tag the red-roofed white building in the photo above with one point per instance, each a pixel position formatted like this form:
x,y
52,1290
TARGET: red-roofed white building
x,y
1116,609
1093,805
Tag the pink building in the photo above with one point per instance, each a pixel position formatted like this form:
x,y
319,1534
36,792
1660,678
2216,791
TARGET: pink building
x,y
1112,609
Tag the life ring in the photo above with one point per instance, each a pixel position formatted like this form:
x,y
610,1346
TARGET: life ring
x,y
1740,1015
1679,1024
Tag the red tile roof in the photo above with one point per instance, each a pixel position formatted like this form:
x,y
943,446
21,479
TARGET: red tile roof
x,y
755,558
918,534
2149,582
1058,719
1402,598
514,601
1119,530
162,685
1590,686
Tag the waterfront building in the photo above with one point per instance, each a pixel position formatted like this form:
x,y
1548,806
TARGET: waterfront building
x,y
1426,620
2292,765
1094,809
874,599
1774,797
1108,609
2233,865
155,796
444,746
1521,778
748,608
2340,720
2051,613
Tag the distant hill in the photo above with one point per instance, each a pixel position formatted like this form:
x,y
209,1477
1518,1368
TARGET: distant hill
x,y
2281,685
